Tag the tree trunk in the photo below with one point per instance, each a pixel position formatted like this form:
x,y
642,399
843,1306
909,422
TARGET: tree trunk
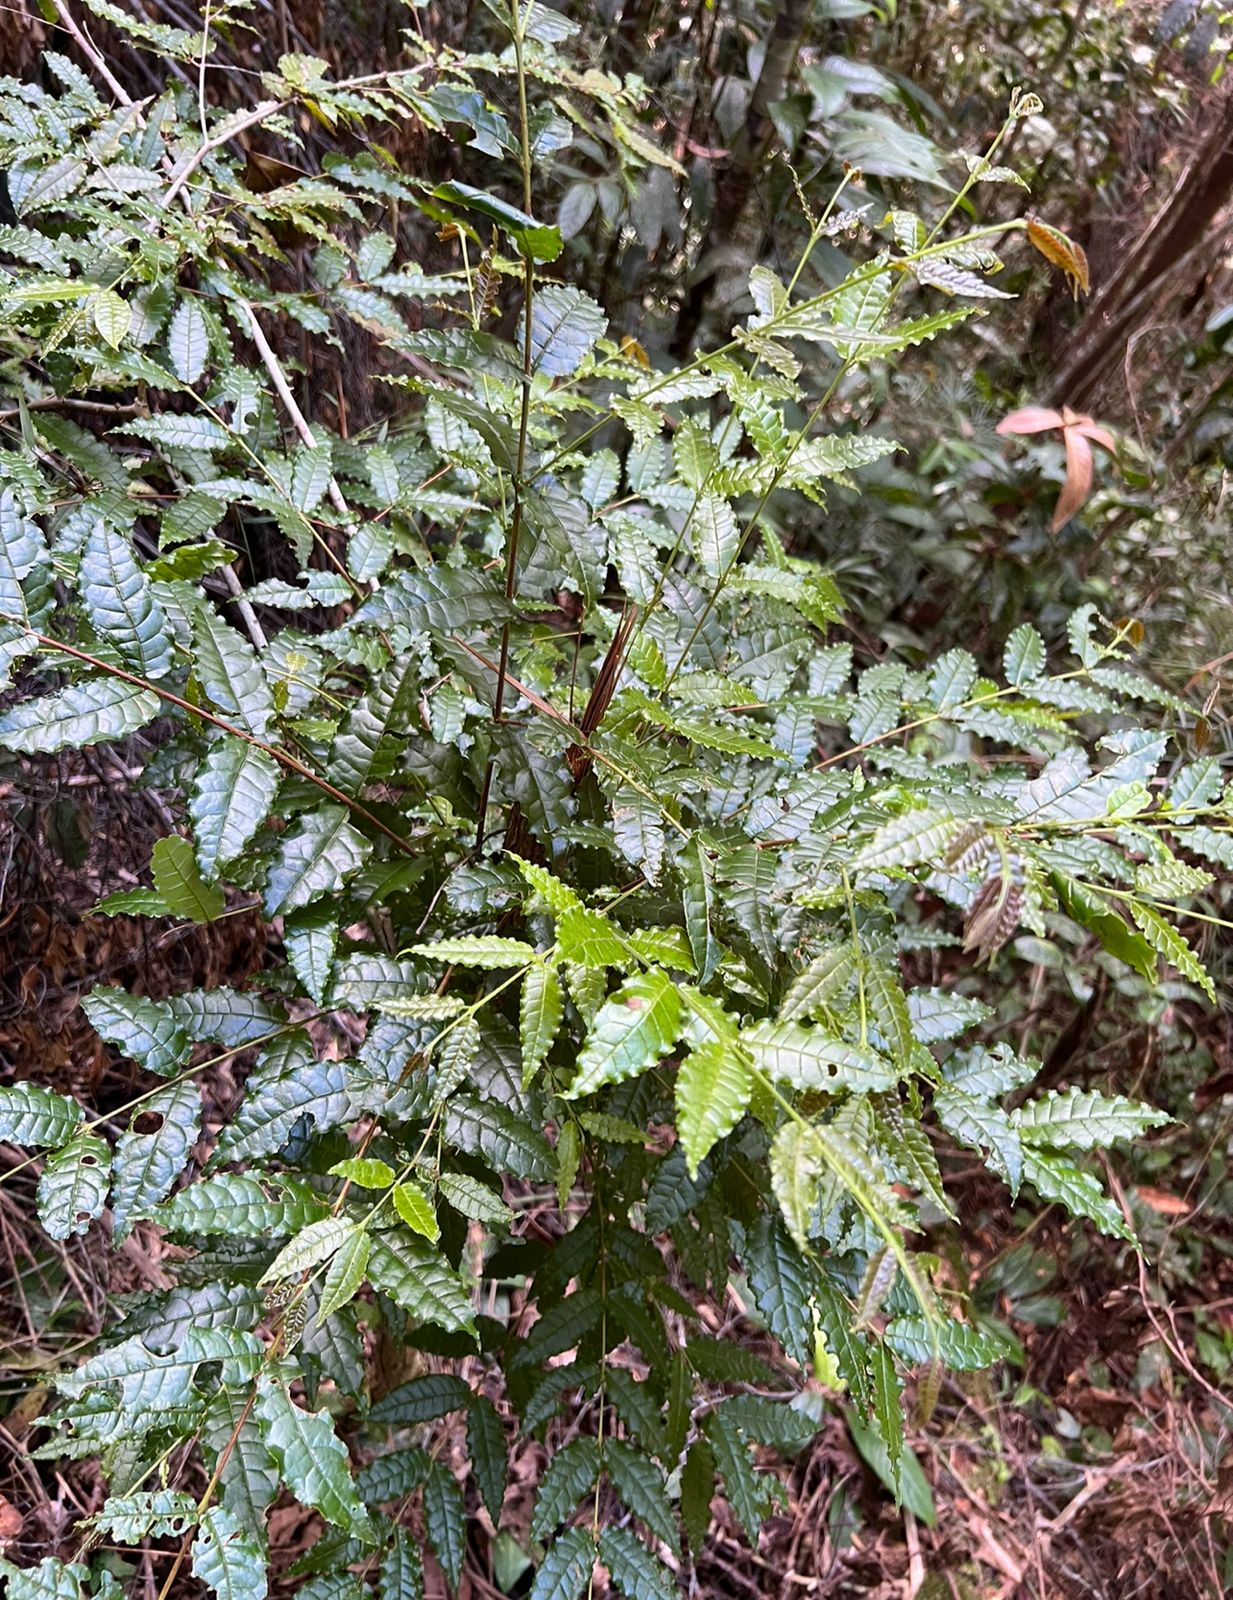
x,y
736,176
1178,238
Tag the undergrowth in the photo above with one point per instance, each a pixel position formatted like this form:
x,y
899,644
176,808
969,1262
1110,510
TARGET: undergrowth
x,y
547,771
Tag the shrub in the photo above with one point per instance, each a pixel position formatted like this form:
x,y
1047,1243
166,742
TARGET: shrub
x,y
637,896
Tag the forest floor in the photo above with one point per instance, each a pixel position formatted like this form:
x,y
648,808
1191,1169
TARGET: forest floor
x,y
1101,1467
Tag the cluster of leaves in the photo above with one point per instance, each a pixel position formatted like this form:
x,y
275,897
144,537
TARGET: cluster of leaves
x,y
615,857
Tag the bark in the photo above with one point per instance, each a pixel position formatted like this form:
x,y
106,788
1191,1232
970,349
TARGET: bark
x,y
739,172
1158,266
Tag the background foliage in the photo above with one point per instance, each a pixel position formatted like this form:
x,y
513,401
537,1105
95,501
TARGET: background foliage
x,y
698,861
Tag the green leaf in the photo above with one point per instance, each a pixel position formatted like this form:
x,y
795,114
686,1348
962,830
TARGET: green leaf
x,y
1165,939
534,239
915,836
120,603
1024,657
485,951
633,1569
311,1456
51,1579
747,1494
796,1176
489,1456
1079,1192
963,1347
640,1485
368,1172
638,831
239,1204
698,904
232,793
317,1243
179,882
22,551
1115,934
631,1031
888,1411
33,1115
422,1399
345,1274
808,1058
541,1008
571,1472
565,324
91,712
566,1569
112,316
589,939
73,1187
697,1492
715,535
227,1558
392,1476
421,1283
316,857
908,1482
402,1572
713,1086
415,1209
1077,1120
144,1030
310,938
228,670
887,1009
982,1127
473,1199
782,1284
147,1164
569,1157
188,341
823,980
132,903
445,1521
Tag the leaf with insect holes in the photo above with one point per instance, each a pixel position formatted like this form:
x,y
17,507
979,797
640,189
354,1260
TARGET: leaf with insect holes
x,y
632,1031
147,1164
73,1187
227,1558
312,1457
